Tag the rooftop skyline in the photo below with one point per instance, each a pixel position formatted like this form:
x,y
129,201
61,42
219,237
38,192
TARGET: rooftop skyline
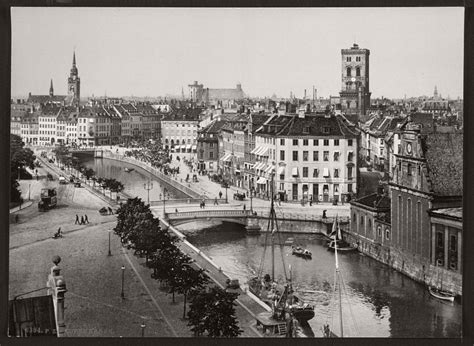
x,y
158,51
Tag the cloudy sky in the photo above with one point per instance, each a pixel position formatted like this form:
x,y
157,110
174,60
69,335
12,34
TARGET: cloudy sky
x,y
152,52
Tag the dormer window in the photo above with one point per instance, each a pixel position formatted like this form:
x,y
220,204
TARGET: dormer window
x,y
306,129
325,129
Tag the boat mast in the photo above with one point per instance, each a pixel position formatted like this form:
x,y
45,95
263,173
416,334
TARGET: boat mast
x,y
272,218
338,274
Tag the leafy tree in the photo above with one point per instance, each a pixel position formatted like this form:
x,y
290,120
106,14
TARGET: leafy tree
x,y
190,279
213,311
20,157
129,215
88,173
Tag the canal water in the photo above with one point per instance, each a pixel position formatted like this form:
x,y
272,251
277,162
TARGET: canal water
x,y
376,302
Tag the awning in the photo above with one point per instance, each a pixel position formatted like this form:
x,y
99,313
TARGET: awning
x,y
188,146
281,170
194,147
226,157
269,169
259,165
237,171
294,172
261,180
255,150
326,172
263,152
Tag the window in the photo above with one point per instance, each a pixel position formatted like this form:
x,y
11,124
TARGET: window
x,y
306,129
326,156
357,71
211,145
336,156
326,142
349,172
362,220
348,59
336,142
305,172
349,142
295,142
419,170
295,155
369,223
305,142
305,155
387,234
348,72
315,155
336,173
336,188
379,231
211,155
282,141
315,142
282,186
357,58
409,169
350,156
315,173
282,155
354,217
282,177
452,243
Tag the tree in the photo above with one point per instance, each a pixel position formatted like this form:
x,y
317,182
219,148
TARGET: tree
x,y
190,279
129,214
61,152
20,157
213,311
88,173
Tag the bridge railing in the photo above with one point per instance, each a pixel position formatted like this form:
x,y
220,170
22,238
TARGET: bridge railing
x,y
208,201
208,213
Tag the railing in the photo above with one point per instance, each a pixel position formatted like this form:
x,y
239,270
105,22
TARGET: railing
x,y
163,177
208,213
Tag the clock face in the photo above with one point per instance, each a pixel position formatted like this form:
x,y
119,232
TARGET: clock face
x,y
353,79
409,148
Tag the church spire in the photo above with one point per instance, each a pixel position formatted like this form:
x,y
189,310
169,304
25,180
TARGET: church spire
x,y
51,90
74,59
435,94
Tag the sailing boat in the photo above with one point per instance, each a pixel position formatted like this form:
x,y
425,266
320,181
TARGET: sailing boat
x,y
281,298
438,291
338,286
337,236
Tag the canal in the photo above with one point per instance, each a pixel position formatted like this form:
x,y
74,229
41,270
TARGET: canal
x,y
377,301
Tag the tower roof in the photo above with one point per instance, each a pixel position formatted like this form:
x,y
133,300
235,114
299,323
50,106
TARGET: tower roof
x,y
74,58
51,90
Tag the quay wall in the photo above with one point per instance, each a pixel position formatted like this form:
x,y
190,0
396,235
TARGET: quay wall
x,y
411,265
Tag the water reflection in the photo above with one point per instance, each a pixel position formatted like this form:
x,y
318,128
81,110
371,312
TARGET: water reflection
x,y
379,302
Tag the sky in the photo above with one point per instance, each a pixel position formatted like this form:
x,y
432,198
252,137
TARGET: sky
x,y
158,51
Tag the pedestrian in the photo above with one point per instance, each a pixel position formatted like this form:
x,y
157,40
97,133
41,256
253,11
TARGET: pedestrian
x,y
176,210
215,201
77,219
324,214
220,194
82,220
86,219
310,202
16,218
245,207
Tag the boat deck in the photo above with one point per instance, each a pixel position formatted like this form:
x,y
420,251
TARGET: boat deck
x,y
269,325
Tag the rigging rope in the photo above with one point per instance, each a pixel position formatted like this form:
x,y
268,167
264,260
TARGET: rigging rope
x,y
356,327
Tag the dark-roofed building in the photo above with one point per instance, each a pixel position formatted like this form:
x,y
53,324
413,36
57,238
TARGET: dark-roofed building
x,y
208,146
370,227
428,176
179,129
312,156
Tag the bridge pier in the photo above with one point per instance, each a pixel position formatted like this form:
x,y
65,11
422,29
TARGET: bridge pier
x,y
252,227
98,153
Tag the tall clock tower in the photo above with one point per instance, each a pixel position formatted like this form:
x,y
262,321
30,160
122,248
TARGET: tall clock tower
x,y
74,83
355,91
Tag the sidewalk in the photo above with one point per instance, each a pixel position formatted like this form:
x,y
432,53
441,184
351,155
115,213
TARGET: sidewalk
x,y
21,206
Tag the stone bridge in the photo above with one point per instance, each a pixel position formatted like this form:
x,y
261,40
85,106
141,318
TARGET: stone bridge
x,y
237,216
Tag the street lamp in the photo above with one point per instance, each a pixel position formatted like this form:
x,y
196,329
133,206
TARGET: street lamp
x,y
143,326
164,201
251,197
226,187
110,254
148,186
123,276
29,188
19,167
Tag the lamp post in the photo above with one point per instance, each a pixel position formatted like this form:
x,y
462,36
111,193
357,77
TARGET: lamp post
x,y
251,197
110,254
29,188
164,200
148,186
226,187
19,167
143,326
123,277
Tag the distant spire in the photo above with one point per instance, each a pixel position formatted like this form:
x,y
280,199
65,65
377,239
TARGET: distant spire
x,y
435,94
74,59
51,90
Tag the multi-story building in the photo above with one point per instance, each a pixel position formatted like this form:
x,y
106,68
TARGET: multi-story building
x,y
232,149
179,129
86,127
355,90
208,146
47,124
16,117
30,128
313,157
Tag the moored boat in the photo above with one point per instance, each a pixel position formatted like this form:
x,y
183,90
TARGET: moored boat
x,y
299,251
341,246
441,294
126,169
